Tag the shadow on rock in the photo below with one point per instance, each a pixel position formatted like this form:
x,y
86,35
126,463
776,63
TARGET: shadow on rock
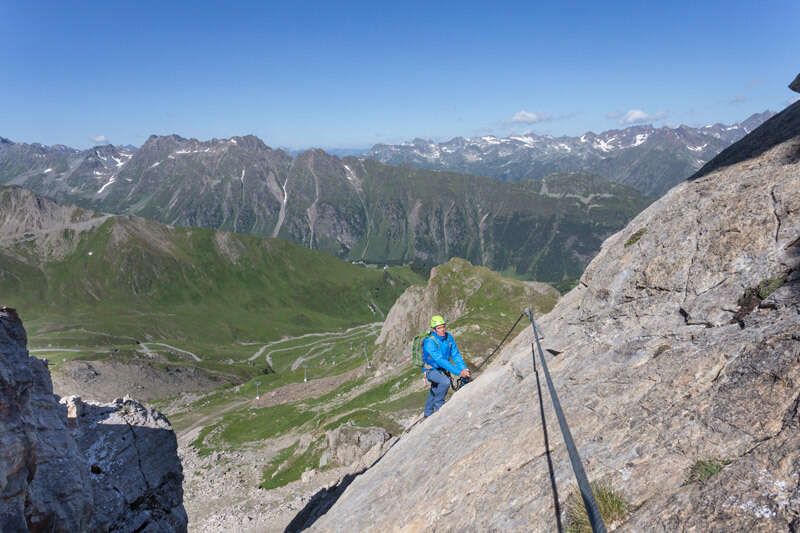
x,y
319,504
138,455
780,128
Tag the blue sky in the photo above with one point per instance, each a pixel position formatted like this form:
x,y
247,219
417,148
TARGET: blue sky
x,y
351,74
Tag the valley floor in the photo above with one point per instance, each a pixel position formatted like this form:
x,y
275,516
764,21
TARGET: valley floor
x,y
259,419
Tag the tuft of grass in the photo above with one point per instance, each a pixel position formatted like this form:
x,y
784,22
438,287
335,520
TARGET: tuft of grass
x,y
770,285
287,467
613,508
633,239
274,466
703,469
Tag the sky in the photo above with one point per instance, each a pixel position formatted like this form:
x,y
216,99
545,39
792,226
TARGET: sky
x,y
353,74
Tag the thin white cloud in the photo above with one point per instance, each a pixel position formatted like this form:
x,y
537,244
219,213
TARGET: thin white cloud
x,y
99,139
528,117
738,99
637,116
613,114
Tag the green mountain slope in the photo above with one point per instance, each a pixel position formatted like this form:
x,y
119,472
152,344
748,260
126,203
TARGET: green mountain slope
x,y
133,277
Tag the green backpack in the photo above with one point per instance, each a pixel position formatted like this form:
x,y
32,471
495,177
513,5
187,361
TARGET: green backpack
x,y
416,347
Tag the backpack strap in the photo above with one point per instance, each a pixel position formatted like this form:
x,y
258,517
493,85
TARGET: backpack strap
x,y
425,365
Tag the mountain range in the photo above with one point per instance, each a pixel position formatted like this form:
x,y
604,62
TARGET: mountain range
x,y
650,159
357,209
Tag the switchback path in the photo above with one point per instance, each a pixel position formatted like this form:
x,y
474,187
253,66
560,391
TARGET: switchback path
x,y
332,335
179,350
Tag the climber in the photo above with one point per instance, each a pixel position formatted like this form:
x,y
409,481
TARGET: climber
x,y
440,360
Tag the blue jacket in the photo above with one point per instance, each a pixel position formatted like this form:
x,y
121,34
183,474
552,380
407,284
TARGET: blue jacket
x,y
438,352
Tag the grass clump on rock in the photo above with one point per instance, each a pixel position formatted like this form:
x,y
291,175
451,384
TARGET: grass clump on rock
x,y
613,508
770,285
633,239
703,469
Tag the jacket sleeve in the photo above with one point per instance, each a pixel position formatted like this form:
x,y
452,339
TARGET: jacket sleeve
x,y
455,355
431,347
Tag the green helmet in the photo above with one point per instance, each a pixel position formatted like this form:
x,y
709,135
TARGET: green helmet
x,y
437,320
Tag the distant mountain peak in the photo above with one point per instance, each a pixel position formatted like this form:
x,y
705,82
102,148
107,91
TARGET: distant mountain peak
x,y
648,158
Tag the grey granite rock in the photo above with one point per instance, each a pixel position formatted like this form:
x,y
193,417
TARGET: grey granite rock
x,y
681,344
795,85
79,466
347,445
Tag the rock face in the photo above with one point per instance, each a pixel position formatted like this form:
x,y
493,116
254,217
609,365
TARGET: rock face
x,y
348,445
77,466
680,345
795,85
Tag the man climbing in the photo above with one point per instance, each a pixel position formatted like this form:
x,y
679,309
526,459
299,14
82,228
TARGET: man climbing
x,y
440,360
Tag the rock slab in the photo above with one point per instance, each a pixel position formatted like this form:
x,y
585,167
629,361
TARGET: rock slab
x,y
680,345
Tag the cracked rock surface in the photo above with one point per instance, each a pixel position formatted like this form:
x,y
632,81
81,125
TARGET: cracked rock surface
x,y
680,345
75,466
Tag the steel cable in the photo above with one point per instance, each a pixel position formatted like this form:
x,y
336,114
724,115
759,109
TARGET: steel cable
x,y
595,520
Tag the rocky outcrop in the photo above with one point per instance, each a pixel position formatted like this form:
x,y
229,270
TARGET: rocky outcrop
x,y
680,345
795,85
78,466
471,299
352,445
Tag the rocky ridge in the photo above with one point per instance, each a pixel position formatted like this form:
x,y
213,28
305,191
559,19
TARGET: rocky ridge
x,y
456,290
649,159
680,345
75,466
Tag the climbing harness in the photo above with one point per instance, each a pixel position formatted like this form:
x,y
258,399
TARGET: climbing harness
x,y
455,383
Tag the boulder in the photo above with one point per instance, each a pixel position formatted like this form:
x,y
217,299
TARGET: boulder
x,y
79,466
347,445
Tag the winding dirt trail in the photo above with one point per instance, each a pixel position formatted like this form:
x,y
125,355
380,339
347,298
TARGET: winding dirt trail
x,y
179,350
331,335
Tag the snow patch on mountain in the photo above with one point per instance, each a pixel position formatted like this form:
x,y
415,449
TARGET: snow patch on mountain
x,y
621,155
109,182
